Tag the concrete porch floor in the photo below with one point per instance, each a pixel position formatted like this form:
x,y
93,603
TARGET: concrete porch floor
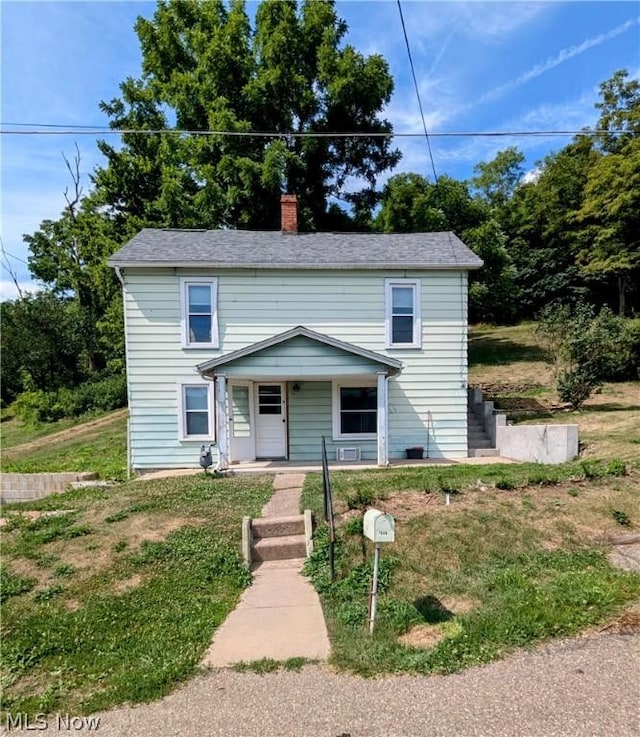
x,y
295,467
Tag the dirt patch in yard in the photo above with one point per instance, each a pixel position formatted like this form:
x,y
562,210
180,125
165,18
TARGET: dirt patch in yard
x,y
458,604
26,568
95,552
424,636
127,584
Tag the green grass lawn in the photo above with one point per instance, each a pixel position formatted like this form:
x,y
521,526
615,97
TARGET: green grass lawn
x,y
513,560
100,449
116,598
15,431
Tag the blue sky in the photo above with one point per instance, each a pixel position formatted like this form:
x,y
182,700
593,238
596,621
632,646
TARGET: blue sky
x,y
481,66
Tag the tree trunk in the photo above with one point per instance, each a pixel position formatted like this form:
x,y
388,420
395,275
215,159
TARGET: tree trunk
x,y
621,295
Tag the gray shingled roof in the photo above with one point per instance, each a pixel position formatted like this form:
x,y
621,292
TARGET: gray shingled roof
x,y
273,250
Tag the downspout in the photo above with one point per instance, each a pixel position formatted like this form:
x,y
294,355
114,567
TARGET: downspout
x,y
126,362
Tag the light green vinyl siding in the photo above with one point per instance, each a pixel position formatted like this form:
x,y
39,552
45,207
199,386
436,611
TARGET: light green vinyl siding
x,y
240,411
299,357
256,305
310,419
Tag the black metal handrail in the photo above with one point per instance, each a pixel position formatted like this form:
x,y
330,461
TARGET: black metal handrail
x,y
328,508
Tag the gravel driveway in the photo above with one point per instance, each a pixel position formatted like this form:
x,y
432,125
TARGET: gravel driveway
x,y
582,687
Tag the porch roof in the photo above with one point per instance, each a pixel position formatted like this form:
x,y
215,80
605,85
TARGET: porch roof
x,y
390,365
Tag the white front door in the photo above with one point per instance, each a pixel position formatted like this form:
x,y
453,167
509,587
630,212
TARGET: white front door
x,y
271,421
241,421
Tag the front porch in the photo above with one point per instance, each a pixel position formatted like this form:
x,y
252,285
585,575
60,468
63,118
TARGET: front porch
x,y
276,399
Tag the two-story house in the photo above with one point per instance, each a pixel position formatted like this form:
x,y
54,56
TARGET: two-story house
x,y
260,343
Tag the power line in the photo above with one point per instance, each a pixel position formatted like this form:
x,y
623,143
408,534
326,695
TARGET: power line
x,y
54,130
415,84
13,256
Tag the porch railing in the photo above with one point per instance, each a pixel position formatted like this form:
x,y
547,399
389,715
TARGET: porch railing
x,y
328,508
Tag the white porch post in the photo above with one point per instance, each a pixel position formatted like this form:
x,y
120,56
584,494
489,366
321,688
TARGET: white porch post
x,y
383,440
222,417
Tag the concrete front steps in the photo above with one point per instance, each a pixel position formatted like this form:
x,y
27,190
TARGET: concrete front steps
x,y
478,442
277,538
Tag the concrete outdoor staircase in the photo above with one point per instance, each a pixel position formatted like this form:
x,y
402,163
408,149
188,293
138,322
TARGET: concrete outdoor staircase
x,y
277,538
478,442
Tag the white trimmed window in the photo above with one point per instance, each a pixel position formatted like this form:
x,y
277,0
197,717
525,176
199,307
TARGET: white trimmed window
x,y
402,313
199,311
195,406
355,410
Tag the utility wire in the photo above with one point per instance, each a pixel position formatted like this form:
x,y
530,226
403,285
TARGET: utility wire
x,y
415,84
54,130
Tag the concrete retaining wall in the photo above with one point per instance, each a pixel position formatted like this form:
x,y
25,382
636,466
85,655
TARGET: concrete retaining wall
x,y
538,443
26,487
535,443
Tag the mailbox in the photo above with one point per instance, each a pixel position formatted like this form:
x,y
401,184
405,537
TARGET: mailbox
x,y
378,526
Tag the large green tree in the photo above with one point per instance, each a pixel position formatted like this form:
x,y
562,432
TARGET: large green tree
x,y
410,203
497,180
619,107
40,340
541,235
610,220
608,217
205,69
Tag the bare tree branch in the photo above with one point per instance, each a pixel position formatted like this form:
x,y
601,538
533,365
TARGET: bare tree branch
x,y
9,269
74,199
74,171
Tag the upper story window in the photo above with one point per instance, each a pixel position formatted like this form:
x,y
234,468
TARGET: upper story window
x,y
402,313
199,299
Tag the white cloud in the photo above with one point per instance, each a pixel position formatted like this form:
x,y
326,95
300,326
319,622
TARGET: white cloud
x,y
494,21
552,63
9,291
489,22
532,175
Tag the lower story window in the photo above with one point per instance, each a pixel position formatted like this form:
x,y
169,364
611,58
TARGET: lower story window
x,y
356,411
196,412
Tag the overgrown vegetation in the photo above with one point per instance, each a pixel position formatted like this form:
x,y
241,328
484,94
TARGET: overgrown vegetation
x,y
98,613
90,397
102,449
586,349
506,565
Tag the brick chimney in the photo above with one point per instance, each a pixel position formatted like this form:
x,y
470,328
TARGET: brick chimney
x,y
289,213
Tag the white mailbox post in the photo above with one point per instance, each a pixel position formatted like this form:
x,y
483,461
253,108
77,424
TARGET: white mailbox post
x,y
380,528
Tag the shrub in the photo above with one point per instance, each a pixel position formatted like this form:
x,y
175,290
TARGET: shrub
x,y
102,395
586,349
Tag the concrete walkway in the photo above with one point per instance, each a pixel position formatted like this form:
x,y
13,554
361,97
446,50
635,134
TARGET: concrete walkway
x,y
279,616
